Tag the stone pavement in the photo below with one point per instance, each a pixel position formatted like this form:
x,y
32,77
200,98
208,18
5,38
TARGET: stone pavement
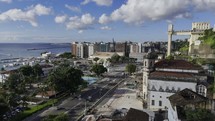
x,y
122,98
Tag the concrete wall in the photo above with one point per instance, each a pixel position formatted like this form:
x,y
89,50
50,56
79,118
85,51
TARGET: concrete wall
x,y
157,95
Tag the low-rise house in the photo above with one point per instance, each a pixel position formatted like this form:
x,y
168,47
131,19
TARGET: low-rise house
x,y
186,99
5,74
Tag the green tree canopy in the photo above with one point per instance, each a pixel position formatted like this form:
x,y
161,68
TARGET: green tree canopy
x,y
65,78
98,69
26,70
37,70
130,68
199,115
209,38
95,59
115,58
67,55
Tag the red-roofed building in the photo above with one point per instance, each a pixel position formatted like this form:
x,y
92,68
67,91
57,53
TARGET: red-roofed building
x,y
166,77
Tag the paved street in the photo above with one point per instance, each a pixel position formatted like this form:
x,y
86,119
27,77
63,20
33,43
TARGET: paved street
x,y
75,105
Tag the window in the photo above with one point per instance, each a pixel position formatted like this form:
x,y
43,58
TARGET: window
x,y
179,89
153,102
201,90
160,103
161,89
167,89
160,96
153,88
151,64
153,96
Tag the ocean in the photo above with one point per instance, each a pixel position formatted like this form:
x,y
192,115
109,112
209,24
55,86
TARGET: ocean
x,y
27,50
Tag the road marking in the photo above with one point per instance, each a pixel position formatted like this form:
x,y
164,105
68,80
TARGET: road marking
x,y
73,107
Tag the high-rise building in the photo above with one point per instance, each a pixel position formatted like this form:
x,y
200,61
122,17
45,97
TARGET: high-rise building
x,y
74,48
134,48
80,50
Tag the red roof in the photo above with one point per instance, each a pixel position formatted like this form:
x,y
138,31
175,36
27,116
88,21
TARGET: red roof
x,y
177,64
164,75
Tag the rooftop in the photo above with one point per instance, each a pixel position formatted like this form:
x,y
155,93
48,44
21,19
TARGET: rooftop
x,y
173,76
136,115
186,97
177,64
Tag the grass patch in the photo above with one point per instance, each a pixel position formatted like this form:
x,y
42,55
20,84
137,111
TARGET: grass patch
x,y
34,109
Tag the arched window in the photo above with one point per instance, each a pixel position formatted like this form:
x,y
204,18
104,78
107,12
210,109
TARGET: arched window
x,y
161,89
151,64
153,88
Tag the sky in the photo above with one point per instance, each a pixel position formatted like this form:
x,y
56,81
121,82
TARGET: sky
x,y
59,21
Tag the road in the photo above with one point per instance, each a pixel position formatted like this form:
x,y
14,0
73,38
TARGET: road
x,y
75,106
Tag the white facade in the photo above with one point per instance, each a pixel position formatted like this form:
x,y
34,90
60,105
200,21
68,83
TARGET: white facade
x,y
80,50
159,90
148,65
138,56
140,47
91,49
3,77
200,25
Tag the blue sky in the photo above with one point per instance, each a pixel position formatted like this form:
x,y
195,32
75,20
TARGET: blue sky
x,y
60,21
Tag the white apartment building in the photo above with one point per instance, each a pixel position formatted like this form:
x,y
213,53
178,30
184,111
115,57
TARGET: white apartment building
x,y
91,49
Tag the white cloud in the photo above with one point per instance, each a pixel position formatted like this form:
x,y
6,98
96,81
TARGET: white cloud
x,y
80,31
202,5
99,2
139,11
73,8
104,19
29,15
60,19
6,1
80,23
105,28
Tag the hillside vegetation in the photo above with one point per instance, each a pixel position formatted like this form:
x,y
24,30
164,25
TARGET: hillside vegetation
x,y
209,38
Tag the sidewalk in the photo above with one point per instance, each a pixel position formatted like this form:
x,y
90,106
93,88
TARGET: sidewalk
x,y
122,98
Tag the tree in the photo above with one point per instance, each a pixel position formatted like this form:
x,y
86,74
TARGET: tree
x,y
2,69
27,74
65,78
170,57
67,55
130,68
198,115
3,106
209,38
62,117
26,70
98,69
37,71
12,82
95,59
115,58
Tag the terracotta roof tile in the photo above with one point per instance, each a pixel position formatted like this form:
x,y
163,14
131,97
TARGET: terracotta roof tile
x,y
163,75
185,97
177,64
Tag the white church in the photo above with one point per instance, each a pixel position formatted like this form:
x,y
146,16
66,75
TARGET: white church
x,y
166,77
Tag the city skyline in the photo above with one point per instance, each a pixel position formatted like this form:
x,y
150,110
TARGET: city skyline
x,y
98,20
